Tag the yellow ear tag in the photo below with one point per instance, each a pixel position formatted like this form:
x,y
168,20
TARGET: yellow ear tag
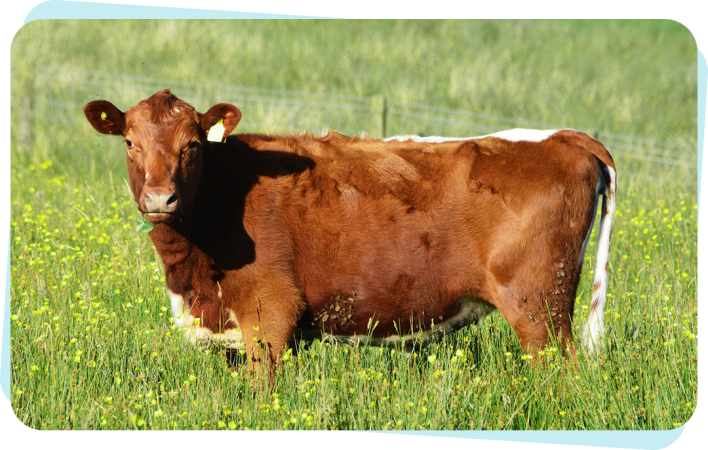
x,y
216,133
103,116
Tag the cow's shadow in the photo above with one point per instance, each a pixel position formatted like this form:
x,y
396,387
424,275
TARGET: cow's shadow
x,y
230,173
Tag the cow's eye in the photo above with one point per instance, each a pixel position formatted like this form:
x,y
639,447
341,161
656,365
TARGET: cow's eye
x,y
129,143
190,151
188,154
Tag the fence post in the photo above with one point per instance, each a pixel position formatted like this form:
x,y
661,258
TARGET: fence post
x,y
378,111
25,113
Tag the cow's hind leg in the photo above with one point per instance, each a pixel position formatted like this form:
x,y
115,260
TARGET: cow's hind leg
x,y
546,323
539,299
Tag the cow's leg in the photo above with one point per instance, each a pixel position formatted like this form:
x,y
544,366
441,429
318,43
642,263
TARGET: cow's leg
x,y
269,321
544,324
255,343
539,298
534,273
265,345
542,319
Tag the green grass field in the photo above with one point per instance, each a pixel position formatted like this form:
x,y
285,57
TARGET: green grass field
x,y
92,343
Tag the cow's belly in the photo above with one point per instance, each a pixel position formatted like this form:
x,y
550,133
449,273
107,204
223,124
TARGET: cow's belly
x,y
471,311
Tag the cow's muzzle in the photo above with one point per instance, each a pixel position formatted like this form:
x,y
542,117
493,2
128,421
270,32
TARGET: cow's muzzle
x,y
161,207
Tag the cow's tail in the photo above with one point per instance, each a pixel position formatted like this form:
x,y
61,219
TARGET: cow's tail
x,y
593,330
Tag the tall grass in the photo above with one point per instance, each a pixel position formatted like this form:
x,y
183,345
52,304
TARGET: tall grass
x,y
93,346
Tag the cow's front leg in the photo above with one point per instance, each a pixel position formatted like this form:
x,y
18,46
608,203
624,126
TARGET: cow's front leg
x,y
267,329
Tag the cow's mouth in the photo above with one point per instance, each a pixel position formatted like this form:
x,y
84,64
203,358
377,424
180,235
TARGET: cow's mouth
x,y
160,217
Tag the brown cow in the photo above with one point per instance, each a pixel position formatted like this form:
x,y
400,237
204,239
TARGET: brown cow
x,y
384,241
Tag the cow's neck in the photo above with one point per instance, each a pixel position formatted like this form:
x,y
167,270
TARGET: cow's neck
x,y
191,244
184,261
172,243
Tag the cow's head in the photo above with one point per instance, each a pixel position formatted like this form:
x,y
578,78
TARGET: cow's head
x,y
165,138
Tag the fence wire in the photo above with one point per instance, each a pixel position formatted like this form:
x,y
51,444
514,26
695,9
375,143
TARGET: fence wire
x,y
58,95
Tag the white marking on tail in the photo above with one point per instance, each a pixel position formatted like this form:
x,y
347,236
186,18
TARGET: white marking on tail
x,y
594,329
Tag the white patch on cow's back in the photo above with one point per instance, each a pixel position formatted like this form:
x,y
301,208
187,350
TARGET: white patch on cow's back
x,y
515,135
472,310
198,335
520,134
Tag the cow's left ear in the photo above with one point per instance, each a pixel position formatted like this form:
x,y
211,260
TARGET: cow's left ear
x,y
229,115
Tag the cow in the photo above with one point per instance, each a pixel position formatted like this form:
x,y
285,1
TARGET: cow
x,y
381,241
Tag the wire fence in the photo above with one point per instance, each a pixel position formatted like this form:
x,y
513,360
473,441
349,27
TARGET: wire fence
x,y
57,95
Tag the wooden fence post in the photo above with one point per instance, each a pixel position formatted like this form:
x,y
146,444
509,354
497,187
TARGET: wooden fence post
x,y
378,111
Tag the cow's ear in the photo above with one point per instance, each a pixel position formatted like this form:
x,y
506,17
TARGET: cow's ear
x,y
105,117
221,114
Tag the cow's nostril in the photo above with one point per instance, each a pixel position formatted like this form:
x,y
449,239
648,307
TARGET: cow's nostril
x,y
172,199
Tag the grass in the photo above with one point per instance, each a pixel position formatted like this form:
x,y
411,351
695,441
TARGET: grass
x,y
92,342
91,330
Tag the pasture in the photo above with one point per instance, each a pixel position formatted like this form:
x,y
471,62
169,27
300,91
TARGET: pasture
x,y
92,342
